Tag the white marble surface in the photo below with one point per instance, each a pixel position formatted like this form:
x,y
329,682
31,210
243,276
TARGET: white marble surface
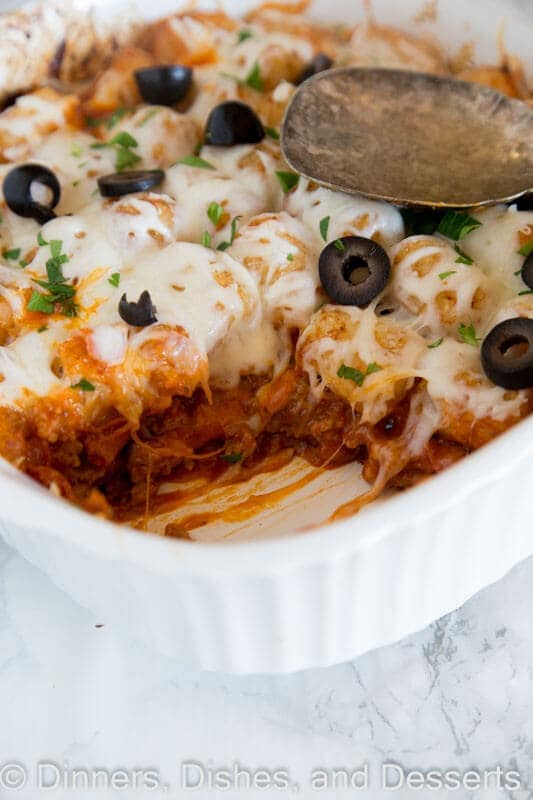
x,y
457,695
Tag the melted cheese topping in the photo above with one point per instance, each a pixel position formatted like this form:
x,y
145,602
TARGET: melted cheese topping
x,y
222,314
24,125
438,290
349,215
280,252
338,337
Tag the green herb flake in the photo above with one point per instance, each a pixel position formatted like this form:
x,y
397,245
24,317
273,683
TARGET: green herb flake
x,y
122,142
444,275
206,239
339,245
462,257
12,255
215,212
468,334
115,118
351,374
114,280
287,180
355,375
147,117
232,458
23,263
372,368
254,79
76,151
56,246
290,257
324,226
526,249
41,241
233,232
243,35
39,302
84,385
195,161
124,139
272,133
526,291
42,329
456,225
60,293
436,343
125,158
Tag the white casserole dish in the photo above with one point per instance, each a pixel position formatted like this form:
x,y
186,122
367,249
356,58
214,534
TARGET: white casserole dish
x,y
286,602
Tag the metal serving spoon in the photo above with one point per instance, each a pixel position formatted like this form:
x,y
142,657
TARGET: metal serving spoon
x,y
410,138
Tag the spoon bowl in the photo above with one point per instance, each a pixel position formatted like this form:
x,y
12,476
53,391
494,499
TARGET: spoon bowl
x,y
410,138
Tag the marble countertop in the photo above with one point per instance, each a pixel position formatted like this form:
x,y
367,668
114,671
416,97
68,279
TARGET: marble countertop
x,y
456,696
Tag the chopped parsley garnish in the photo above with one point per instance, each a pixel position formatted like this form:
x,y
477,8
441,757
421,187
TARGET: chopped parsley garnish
x,y
206,239
122,142
116,116
12,255
355,375
468,334
462,257
243,35
59,292
76,151
272,133
215,212
42,329
232,458
114,280
526,291
24,263
444,275
324,226
290,257
436,343
456,225
40,302
254,79
339,245
233,232
287,180
147,117
195,161
526,249
84,385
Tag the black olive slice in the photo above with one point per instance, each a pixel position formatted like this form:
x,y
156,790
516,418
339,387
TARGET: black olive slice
x,y
164,85
233,123
525,203
319,63
527,271
18,196
121,183
507,354
353,270
141,313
